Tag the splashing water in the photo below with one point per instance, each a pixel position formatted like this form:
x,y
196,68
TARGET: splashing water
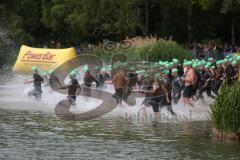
x,y
8,55
13,95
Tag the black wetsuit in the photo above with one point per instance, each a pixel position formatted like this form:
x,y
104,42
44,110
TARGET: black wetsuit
x,y
100,79
229,74
201,84
207,85
106,76
197,84
87,82
180,70
177,89
163,100
37,82
72,89
218,81
152,99
89,79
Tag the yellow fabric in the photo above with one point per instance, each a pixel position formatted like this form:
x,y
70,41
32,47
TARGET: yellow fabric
x,y
44,59
235,54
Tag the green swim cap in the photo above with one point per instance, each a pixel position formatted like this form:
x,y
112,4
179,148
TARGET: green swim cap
x,y
206,66
210,59
230,60
167,65
34,68
238,58
224,61
73,74
199,63
176,61
194,65
175,70
234,63
49,72
85,68
188,63
166,72
219,62
209,63
160,63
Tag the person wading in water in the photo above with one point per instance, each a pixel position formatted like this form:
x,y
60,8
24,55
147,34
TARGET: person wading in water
x,y
119,82
189,82
152,98
87,81
37,82
72,87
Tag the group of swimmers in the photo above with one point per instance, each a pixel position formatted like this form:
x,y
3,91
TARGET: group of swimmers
x,y
162,83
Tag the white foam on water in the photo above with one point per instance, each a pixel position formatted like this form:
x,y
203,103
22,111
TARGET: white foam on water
x,y
14,96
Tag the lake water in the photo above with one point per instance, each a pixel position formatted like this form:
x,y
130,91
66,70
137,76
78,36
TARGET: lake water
x,y
37,135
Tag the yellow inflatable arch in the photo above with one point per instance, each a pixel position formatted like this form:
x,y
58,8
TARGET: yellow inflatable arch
x,y
44,59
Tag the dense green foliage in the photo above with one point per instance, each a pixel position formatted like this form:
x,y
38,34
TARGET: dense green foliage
x,y
225,110
150,50
76,21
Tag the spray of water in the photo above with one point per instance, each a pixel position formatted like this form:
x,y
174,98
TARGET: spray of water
x,y
8,54
13,94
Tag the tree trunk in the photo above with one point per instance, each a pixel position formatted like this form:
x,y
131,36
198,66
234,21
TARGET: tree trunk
x,y
190,38
233,32
146,18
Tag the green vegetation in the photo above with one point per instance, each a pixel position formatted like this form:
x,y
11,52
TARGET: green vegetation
x,y
149,49
225,110
82,21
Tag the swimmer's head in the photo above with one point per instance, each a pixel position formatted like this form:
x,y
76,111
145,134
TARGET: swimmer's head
x,y
73,75
174,72
34,69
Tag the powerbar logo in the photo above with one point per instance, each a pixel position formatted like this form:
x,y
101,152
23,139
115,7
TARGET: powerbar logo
x,y
39,57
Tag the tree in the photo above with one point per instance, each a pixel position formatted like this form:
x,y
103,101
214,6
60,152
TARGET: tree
x,y
232,7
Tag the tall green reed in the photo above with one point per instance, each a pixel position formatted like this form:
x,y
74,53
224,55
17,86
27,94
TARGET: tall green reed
x,y
225,111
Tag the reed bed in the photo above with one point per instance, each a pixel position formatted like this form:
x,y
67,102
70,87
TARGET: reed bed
x,y
149,48
225,111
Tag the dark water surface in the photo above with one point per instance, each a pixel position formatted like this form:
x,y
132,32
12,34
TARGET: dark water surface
x,y
28,135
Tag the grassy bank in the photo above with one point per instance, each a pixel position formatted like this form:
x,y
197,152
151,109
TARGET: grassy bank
x,y
225,112
150,49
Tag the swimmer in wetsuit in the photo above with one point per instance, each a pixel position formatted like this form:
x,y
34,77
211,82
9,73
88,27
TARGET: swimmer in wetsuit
x,y
72,87
177,86
152,98
37,82
99,77
88,79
